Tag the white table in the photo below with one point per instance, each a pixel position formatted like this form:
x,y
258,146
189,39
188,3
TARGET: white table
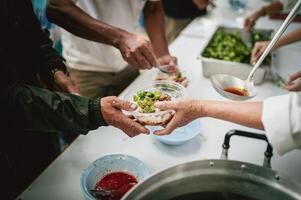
x,y
61,179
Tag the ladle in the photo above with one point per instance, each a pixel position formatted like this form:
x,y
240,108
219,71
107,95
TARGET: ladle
x,y
221,82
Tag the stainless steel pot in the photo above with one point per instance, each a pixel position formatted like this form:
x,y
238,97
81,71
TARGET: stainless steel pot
x,y
219,179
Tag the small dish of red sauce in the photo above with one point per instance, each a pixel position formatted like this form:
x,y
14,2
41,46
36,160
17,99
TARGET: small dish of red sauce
x,y
119,183
237,91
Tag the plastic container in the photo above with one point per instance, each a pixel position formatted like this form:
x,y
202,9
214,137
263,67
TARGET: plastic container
x,y
172,89
108,164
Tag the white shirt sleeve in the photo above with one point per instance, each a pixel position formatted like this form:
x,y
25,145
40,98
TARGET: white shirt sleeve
x,y
281,119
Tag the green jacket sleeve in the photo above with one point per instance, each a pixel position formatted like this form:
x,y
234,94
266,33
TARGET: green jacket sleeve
x,y
40,110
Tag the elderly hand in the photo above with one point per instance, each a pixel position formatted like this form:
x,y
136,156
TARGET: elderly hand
x,y
137,51
64,83
111,111
258,49
294,82
185,112
202,4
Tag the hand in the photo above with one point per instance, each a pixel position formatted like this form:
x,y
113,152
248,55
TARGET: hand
x,y
137,51
294,82
167,60
185,112
250,21
257,50
111,111
64,83
202,4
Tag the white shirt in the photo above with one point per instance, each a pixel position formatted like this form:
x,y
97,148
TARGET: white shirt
x,y
82,54
281,118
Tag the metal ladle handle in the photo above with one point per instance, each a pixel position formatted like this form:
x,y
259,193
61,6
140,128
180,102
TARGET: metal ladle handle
x,y
276,37
267,155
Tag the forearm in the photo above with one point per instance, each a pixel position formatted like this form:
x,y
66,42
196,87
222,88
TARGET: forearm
x,y
289,38
272,8
244,113
155,27
68,15
45,111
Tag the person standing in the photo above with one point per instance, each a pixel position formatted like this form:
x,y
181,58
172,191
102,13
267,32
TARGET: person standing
x,y
31,116
102,45
179,13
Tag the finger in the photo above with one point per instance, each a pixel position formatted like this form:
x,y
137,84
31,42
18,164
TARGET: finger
x,y
255,53
132,61
134,128
149,54
170,127
123,105
292,87
173,61
295,76
165,105
142,60
247,25
71,88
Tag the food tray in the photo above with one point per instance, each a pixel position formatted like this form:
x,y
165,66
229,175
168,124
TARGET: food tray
x,y
213,66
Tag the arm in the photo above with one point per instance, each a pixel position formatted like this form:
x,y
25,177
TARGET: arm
x,y
155,27
279,116
244,113
40,110
135,49
289,38
271,8
52,69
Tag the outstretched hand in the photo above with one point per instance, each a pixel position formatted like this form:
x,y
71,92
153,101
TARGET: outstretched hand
x,y
111,111
185,112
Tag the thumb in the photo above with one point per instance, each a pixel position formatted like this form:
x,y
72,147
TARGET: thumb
x,y
124,105
165,105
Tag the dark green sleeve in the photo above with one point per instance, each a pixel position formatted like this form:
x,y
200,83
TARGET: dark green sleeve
x,y
40,110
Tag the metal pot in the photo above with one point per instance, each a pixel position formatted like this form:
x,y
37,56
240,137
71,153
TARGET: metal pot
x,y
219,179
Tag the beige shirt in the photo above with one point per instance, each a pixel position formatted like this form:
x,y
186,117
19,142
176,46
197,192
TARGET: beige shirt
x,y
281,118
82,54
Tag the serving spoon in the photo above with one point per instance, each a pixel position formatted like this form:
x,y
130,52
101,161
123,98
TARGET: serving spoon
x,y
221,82
168,69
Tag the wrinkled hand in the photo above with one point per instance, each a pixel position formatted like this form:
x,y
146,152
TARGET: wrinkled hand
x,y
137,51
64,83
257,50
185,112
201,4
167,60
294,82
111,111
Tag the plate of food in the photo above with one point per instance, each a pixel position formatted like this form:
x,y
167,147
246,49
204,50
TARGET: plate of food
x,y
145,98
178,76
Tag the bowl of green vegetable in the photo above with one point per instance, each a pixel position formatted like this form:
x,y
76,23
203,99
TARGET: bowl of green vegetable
x,y
145,98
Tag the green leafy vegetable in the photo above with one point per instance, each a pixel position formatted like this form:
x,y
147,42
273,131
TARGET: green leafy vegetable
x,y
230,47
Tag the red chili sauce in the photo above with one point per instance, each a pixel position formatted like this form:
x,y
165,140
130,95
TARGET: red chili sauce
x,y
118,182
237,91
